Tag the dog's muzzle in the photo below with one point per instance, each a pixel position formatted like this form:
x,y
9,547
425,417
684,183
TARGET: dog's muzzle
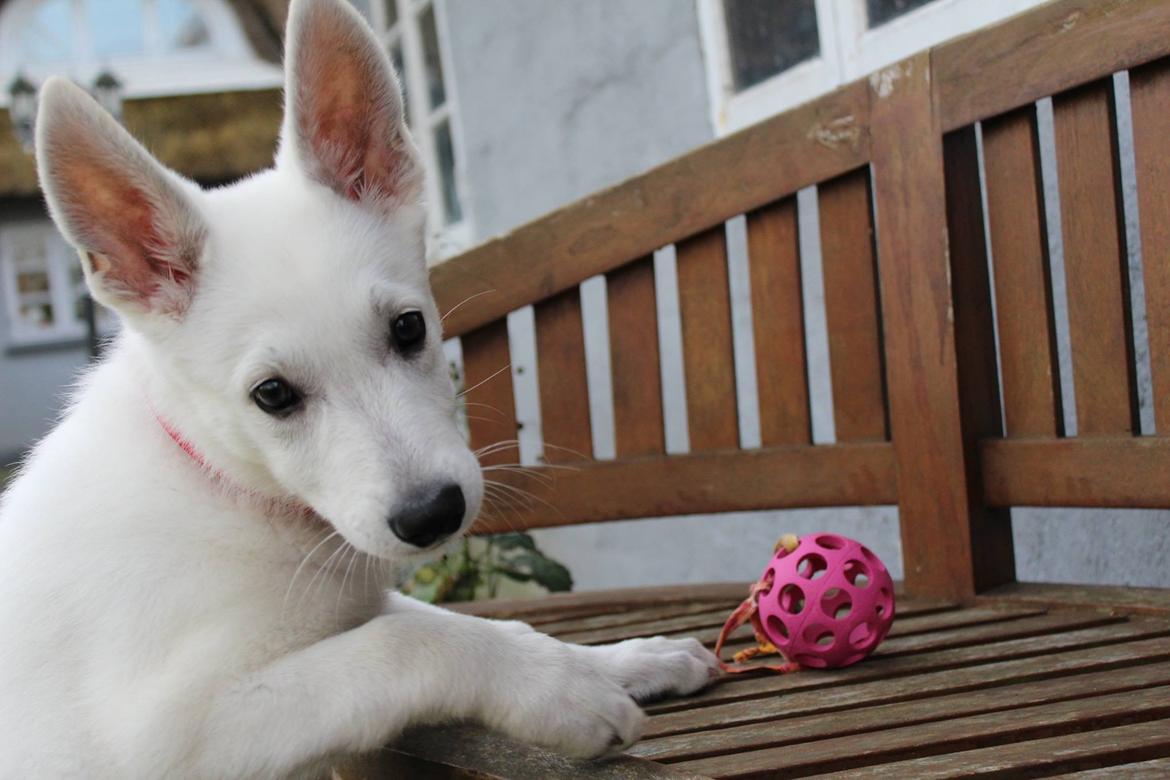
x,y
434,516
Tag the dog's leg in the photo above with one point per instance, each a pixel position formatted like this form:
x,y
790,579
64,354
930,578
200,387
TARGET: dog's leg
x,y
356,691
645,668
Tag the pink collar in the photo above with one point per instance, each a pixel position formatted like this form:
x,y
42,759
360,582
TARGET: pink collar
x,y
223,481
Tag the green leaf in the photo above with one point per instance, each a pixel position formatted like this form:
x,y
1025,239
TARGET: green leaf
x,y
514,541
515,576
547,572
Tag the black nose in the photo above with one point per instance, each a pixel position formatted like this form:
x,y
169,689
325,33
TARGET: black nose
x,y
431,517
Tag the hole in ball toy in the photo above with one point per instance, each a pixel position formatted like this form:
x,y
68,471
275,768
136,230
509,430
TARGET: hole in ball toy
x,y
869,556
791,599
836,603
777,630
856,573
770,578
812,566
830,542
818,635
861,635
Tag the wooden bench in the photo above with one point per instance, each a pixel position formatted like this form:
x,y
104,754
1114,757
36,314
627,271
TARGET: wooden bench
x,y
981,673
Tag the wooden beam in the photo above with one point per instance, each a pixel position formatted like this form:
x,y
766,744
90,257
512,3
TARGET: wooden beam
x,y
1053,48
936,513
727,481
1090,472
681,198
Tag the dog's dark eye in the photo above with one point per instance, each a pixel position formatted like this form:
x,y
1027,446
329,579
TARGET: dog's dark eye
x,y
409,331
275,396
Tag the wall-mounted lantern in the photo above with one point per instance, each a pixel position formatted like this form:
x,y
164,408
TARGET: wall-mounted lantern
x,y
22,109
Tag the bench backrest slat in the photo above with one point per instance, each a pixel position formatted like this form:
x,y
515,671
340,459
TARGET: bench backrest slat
x,y
639,428
778,324
1149,90
1023,276
851,307
1095,260
564,390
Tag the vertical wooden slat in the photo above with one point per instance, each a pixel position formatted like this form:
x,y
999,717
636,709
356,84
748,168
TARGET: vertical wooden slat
x,y
1023,278
564,390
633,354
1149,89
851,308
939,517
708,359
1095,260
778,324
993,552
487,373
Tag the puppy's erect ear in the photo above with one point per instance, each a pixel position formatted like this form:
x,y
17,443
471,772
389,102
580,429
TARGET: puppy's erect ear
x,y
139,234
343,120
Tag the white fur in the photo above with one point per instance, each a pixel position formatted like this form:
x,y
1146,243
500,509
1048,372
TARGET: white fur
x,y
159,620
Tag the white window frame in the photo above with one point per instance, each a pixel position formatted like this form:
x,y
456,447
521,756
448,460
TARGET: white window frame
x,y
63,292
849,51
229,65
447,239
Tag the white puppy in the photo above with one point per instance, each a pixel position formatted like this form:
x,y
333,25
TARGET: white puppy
x,y
193,564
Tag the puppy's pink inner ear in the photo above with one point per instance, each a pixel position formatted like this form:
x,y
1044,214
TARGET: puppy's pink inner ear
x,y
128,247
347,116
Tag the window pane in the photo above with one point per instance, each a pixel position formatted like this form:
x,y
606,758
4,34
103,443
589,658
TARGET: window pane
x,y
445,152
37,315
47,36
881,11
400,69
115,27
181,26
363,7
767,37
32,282
434,65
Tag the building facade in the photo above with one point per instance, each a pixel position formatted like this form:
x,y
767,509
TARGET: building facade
x,y
519,107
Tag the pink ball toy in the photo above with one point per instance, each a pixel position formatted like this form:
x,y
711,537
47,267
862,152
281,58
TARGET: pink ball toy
x,y
830,604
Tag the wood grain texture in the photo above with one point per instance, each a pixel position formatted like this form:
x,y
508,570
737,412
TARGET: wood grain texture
x,y
1089,631
564,391
851,308
941,737
1149,92
700,190
796,729
634,362
1090,472
778,324
917,308
975,354
487,379
843,698
475,752
1053,48
704,298
1115,747
777,477
1119,599
1023,277
1095,257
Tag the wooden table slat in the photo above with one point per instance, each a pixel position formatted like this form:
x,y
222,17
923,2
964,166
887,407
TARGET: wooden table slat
x,y
866,719
919,686
1093,631
946,736
1034,757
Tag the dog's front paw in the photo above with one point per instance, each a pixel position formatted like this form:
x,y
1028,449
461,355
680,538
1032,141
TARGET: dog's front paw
x,y
657,666
565,702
